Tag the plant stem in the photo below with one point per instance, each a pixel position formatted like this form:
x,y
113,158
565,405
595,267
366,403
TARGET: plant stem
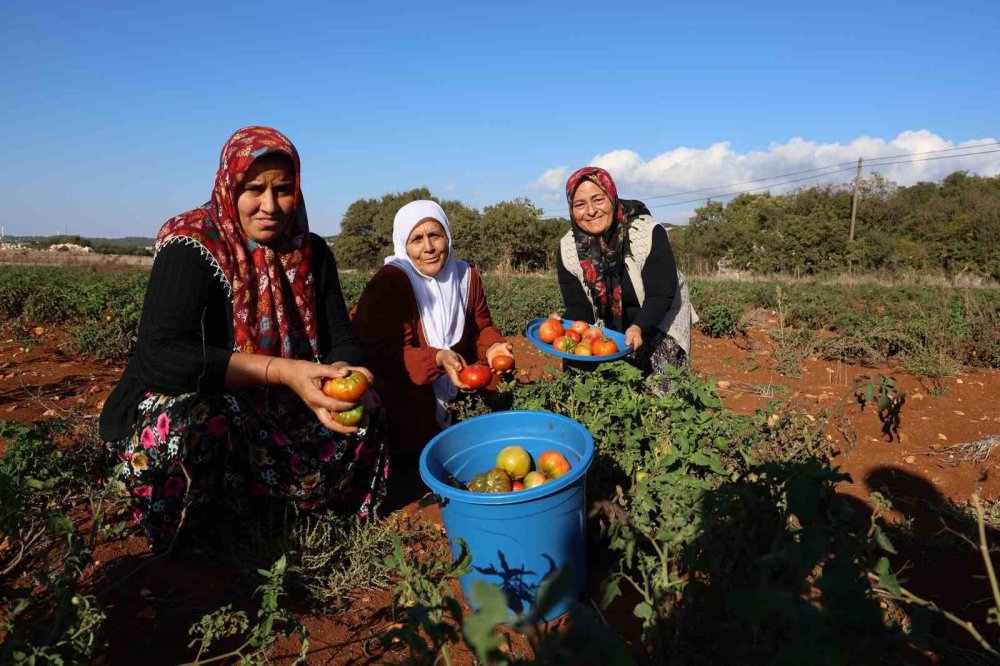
x,y
984,549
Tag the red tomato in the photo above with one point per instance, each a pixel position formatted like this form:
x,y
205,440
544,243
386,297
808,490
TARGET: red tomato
x,y
475,376
579,326
351,417
348,389
515,461
564,344
552,464
583,349
604,346
592,334
502,362
532,479
517,485
573,334
550,330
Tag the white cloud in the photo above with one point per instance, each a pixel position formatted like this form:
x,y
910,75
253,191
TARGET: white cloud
x,y
721,168
450,187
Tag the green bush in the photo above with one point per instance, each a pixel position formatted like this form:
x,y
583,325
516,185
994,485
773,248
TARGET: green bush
x,y
721,320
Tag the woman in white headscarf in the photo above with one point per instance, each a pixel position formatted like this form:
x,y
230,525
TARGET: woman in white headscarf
x,y
421,319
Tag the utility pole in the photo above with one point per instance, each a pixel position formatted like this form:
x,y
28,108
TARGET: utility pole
x,y
854,204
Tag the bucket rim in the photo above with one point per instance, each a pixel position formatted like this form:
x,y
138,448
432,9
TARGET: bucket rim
x,y
515,496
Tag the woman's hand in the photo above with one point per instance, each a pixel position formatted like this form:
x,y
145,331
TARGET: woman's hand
x,y
452,363
306,379
498,349
633,336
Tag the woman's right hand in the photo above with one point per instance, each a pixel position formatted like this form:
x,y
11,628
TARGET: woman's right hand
x,y
452,363
306,379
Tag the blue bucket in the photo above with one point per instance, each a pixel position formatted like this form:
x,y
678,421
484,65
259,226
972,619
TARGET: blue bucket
x,y
518,538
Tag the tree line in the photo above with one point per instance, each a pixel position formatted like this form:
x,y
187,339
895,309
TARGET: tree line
x,y
942,228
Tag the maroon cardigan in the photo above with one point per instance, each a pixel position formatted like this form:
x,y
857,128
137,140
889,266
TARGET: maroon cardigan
x,y
386,321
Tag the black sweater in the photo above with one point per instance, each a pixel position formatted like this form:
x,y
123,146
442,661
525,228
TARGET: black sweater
x,y
659,280
186,332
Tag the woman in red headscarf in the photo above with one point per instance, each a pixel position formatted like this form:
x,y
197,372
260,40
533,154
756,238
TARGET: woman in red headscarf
x,y
243,320
616,269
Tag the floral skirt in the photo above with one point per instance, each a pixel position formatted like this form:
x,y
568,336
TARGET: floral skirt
x,y
659,352
194,450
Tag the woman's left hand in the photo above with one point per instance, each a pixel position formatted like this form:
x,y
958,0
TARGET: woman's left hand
x,y
633,336
497,349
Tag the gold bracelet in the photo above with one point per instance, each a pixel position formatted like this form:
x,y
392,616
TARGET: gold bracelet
x,y
266,368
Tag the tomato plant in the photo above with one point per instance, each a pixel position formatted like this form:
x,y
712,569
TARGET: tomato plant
x,y
515,461
347,389
475,376
550,330
502,362
552,464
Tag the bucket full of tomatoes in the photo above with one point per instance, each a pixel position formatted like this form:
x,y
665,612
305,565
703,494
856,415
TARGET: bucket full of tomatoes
x,y
517,536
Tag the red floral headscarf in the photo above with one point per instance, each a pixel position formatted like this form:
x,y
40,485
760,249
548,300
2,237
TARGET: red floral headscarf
x,y
602,258
272,287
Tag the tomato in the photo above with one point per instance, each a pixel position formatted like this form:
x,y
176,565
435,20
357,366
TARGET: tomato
x,y
532,479
579,326
550,330
493,481
592,334
552,464
583,349
604,346
351,417
515,461
502,362
517,485
564,344
475,376
573,334
348,389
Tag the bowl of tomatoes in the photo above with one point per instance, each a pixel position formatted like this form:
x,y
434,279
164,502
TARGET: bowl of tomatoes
x,y
576,340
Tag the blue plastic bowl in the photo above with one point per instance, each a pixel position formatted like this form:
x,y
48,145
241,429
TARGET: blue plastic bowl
x,y
531,332
518,538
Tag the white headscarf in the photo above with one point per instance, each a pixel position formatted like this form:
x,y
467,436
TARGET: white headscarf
x,y
441,299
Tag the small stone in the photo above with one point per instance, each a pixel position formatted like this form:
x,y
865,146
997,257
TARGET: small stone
x,y
823,396
942,437
910,460
723,385
960,413
917,396
959,381
49,412
38,330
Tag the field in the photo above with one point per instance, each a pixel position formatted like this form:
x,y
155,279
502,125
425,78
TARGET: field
x,y
822,489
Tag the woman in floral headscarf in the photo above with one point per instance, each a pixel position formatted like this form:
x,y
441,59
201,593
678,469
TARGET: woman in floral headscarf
x,y
243,320
616,269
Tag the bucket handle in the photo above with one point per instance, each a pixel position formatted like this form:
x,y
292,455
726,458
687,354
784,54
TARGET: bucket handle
x,y
432,498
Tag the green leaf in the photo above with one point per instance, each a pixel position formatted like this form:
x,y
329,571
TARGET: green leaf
x,y
480,627
611,592
883,541
644,612
887,579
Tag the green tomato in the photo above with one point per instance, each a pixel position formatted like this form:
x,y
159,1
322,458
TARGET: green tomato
x,y
351,417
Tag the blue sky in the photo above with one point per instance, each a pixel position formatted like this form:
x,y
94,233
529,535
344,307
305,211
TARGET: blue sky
x,y
113,115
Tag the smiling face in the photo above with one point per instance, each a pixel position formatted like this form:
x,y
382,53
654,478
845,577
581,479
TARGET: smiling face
x,y
592,208
427,246
266,200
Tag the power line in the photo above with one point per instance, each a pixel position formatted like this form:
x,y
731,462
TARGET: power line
x,y
836,168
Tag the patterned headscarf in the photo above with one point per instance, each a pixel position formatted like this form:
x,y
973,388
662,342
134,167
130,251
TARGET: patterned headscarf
x,y
602,258
272,287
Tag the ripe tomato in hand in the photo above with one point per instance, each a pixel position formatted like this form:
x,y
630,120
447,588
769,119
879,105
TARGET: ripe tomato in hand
x,y
475,376
564,343
502,362
579,326
550,330
351,417
593,333
347,389
604,346
552,464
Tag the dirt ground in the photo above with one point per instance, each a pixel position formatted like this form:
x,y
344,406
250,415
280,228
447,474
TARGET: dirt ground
x,y
150,614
